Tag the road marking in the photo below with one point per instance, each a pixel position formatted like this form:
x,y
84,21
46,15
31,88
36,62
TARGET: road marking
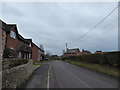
x,y
0,80
77,78
0,73
48,82
99,80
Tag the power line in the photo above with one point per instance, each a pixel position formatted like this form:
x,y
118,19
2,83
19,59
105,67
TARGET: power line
x,y
96,25
107,24
110,23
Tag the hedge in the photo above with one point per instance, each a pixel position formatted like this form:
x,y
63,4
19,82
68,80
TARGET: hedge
x,y
8,63
110,58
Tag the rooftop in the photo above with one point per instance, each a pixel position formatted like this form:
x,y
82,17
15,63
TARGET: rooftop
x,y
72,50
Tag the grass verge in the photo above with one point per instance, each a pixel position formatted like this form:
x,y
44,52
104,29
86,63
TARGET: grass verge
x,y
96,67
36,64
44,61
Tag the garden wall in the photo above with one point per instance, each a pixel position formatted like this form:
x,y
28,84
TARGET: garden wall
x,y
15,76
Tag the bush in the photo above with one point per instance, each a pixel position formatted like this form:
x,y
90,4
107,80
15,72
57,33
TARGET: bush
x,y
8,53
8,63
110,58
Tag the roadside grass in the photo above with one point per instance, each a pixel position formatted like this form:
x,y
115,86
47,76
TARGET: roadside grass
x,y
37,64
46,79
44,61
96,67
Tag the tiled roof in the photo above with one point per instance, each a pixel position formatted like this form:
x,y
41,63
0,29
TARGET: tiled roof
x,y
8,28
37,46
85,51
72,50
28,40
3,25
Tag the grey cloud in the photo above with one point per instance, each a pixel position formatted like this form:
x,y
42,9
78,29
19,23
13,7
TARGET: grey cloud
x,y
54,24
11,11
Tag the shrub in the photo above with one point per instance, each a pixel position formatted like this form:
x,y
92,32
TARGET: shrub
x,y
110,58
8,63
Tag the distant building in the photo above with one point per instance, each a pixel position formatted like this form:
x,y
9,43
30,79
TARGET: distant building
x,y
54,55
98,52
85,52
72,52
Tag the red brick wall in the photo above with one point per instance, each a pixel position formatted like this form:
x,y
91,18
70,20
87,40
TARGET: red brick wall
x,y
14,43
35,53
73,54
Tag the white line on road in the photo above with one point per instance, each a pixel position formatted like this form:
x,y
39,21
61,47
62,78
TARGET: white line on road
x,y
99,80
77,78
48,83
0,80
0,73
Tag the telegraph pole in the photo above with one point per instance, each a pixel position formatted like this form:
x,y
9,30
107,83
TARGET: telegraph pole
x,y
66,47
118,25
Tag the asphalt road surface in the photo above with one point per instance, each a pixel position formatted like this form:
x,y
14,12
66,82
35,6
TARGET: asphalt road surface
x,y
65,75
0,80
39,77
59,74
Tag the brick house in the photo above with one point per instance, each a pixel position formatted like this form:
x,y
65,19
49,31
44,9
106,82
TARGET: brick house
x,y
37,53
85,52
1,50
3,29
14,45
72,52
98,52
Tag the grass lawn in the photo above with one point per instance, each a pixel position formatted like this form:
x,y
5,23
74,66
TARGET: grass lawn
x,y
96,67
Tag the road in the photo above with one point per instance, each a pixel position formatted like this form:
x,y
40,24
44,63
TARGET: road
x,y
65,75
0,80
38,79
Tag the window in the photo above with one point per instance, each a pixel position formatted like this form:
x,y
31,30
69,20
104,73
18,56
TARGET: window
x,y
13,34
19,55
30,45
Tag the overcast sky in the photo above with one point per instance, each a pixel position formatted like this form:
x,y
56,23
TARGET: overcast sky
x,y
54,24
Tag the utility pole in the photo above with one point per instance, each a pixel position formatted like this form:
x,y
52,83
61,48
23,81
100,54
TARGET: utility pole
x,y
66,47
63,51
118,25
